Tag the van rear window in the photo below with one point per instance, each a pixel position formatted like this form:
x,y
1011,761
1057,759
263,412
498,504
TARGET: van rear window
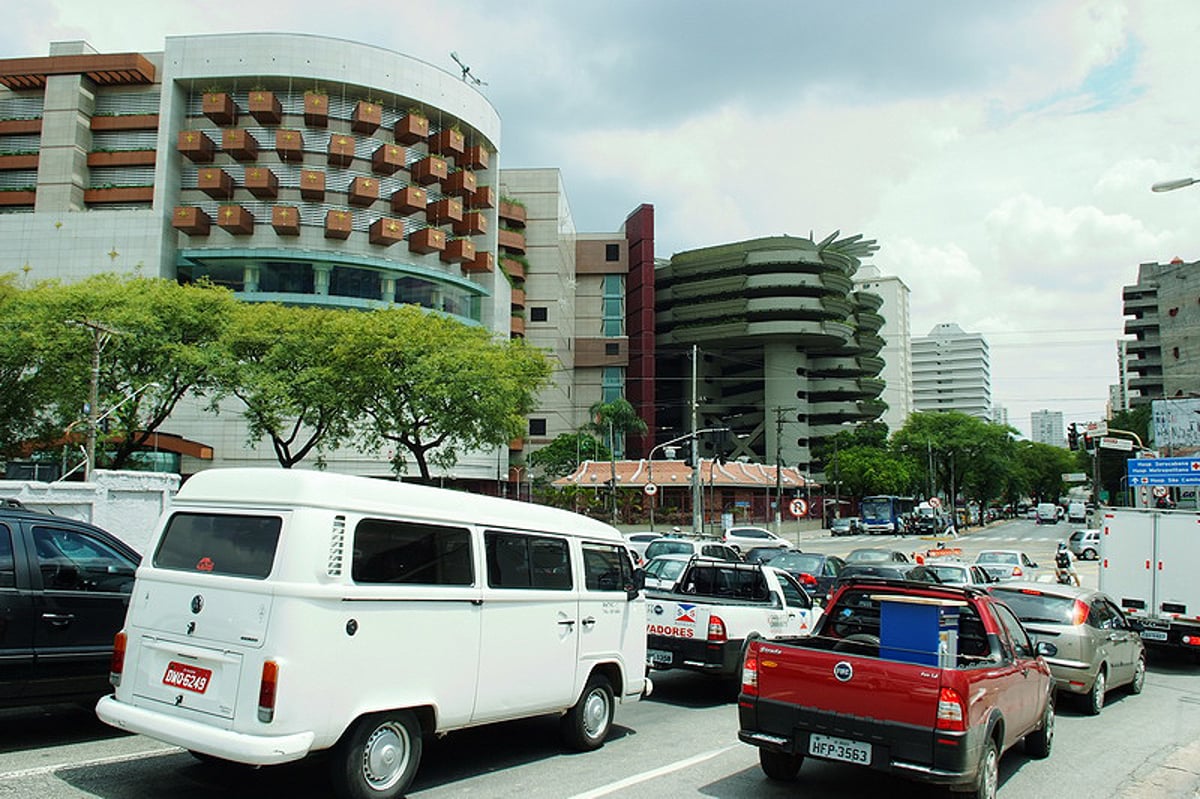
x,y
236,546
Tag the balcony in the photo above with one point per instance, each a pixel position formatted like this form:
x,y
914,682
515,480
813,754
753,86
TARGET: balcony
x,y
286,220
23,161
338,224
316,110
363,192
513,268
512,213
196,146
262,183
387,231
458,251
341,150
265,107
388,159
409,200
122,158
427,240
511,240
366,117
461,182
124,122
19,127
289,146
236,220
118,194
411,128
312,185
431,169
192,221
239,144
215,182
219,107
518,331
11,197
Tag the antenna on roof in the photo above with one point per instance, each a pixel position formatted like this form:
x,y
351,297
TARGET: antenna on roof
x,y
466,71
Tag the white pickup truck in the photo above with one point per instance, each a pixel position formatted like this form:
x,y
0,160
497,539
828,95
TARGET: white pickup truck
x,y
716,608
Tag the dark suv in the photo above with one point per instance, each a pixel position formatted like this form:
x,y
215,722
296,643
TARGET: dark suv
x,y
64,590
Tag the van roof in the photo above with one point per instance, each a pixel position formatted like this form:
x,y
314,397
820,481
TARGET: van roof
x,y
266,487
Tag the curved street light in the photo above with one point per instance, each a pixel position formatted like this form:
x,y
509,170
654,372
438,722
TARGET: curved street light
x,y
1172,185
696,465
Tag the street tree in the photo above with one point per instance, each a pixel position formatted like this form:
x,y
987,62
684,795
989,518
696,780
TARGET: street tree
x,y
564,454
866,470
278,366
28,410
431,387
615,418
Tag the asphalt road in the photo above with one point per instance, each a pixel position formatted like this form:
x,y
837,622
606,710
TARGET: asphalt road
x,y
680,742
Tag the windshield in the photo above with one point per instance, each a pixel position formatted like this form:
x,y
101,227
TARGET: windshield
x,y
669,548
869,556
948,574
876,509
997,557
797,562
666,569
1037,607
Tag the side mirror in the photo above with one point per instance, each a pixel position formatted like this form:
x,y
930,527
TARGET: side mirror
x,y
1046,649
637,584
1032,565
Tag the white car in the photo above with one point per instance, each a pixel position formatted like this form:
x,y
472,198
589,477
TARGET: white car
x,y
663,571
955,572
638,542
743,538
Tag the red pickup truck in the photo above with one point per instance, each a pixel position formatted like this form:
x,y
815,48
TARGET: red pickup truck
x,y
933,682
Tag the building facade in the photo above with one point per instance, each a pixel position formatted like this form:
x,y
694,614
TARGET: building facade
x,y
1164,320
786,350
952,372
289,168
1046,427
897,346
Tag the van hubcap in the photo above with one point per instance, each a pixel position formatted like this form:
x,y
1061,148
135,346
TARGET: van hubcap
x,y
385,756
595,714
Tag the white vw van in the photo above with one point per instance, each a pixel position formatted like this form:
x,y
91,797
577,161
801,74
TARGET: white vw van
x,y
282,612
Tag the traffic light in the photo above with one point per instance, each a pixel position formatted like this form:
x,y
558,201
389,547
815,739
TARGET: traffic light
x,y
1072,436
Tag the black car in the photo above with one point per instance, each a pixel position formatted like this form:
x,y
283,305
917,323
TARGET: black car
x,y
891,571
64,589
816,572
763,554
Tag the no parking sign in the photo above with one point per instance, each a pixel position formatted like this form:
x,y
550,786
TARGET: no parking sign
x,y
798,507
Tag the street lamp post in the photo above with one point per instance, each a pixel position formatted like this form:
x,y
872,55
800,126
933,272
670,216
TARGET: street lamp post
x,y
101,334
650,457
1172,185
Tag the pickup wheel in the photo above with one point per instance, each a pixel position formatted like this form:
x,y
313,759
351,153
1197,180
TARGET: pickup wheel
x,y
779,765
1038,742
586,724
987,780
377,758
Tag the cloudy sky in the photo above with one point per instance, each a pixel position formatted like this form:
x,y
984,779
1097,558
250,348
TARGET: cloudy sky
x,y
1000,153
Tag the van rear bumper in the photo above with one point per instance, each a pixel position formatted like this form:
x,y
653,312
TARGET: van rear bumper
x,y
255,750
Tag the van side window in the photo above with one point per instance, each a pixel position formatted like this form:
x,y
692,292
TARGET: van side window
x,y
515,560
411,553
606,568
238,546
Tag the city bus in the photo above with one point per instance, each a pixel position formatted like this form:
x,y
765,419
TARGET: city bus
x,y
885,513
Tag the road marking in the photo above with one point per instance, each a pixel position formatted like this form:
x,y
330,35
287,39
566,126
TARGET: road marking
x,y
612,787
100,761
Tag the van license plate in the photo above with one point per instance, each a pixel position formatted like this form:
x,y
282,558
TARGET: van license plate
x,y
1154,635
187,677
831,748
659,657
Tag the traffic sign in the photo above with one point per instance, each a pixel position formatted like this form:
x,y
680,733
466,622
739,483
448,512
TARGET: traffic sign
x,y
1074,477
935,503
1163,471
798,507
1116,443
651,489
1096,429
1159,491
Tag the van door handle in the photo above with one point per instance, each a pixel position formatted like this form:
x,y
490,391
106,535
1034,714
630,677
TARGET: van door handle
x,y
589,621
59,619
568,622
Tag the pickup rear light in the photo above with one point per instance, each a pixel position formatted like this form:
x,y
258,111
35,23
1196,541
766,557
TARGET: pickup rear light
x,y
716,630
750,672
951,712
1079,612
1017,571
117,664
267,688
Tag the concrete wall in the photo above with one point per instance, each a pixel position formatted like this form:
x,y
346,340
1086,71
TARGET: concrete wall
x,y
126,504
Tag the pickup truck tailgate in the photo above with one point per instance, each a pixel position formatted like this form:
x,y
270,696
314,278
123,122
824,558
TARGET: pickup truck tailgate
x,y
889,705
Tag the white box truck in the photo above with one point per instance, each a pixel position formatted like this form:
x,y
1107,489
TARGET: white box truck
x,y
1148,564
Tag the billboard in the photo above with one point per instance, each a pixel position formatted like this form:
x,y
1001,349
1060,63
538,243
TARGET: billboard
x,y
1176,426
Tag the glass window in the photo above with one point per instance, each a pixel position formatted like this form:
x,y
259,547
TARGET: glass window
x,y
793,595
73,560
1020,639
537,427
238,546
286,277
539,313
7,568
350,281
612,252
516,560
606,568
411,553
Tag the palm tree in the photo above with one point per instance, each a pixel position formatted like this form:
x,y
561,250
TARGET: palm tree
x,y
611,418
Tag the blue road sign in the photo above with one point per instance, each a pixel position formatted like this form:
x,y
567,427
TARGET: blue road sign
x,y
1163,471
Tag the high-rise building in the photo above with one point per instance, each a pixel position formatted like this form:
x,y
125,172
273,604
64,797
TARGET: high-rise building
x,y
787,350
952,372
1047,428
1118,393
1165,325
897,343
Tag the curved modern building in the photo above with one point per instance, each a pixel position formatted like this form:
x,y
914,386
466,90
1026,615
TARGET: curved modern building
x,y
788,350
289,168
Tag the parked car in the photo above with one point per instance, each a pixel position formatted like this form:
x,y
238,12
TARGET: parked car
x,y
743,538
639,541
850,525
875,555
1008,564
64,590
678,545
912,572
664,570
818,573
956,572
1098,649
1085,544
764,554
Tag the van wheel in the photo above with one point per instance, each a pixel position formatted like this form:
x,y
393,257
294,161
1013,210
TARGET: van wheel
x,y
377,758
586,724
779,765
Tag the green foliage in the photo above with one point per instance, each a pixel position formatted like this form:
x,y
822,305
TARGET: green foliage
x,y
865,470
615,418
562,455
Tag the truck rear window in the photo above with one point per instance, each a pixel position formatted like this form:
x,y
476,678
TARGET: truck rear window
x,y
231,545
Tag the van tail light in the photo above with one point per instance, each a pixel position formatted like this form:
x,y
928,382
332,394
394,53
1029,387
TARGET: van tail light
x,y
716,630
1079,612
750,672
267,687
951,711
117,664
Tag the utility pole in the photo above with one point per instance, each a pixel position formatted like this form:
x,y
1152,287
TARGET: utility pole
x,y
779,411
612,456
101,335
697,495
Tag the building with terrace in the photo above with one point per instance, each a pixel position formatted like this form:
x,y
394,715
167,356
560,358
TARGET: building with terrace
x,y
787,351
1162,313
